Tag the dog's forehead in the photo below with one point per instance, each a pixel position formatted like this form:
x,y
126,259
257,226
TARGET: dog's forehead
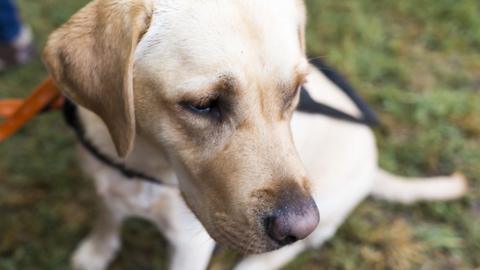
x,y
203,38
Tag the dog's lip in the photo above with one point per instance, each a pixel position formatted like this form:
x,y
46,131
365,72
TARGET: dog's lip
x,y
271,246
247,241
268,245
274,245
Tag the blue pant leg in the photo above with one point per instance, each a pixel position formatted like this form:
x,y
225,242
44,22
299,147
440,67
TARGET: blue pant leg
x,y
10,25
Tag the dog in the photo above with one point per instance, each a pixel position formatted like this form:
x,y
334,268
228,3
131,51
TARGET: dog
x,y
202,95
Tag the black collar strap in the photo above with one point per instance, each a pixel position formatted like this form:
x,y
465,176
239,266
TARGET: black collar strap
x,y
307,104
71,117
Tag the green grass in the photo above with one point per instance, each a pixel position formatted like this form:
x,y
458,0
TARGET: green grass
x,y
416,62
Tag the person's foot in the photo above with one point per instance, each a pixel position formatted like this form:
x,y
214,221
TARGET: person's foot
x,y
18,52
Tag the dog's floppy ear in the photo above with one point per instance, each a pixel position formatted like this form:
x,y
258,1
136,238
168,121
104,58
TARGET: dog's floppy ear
x,y
91,60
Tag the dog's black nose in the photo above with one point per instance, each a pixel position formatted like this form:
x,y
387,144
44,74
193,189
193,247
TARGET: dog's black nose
x,y
291,223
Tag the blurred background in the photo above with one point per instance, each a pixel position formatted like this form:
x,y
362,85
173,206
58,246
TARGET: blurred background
x,y
417,62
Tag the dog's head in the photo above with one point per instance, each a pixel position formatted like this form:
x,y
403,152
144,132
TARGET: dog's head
x,y
211,83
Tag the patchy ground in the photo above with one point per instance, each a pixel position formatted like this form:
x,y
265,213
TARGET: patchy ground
x,y
416,62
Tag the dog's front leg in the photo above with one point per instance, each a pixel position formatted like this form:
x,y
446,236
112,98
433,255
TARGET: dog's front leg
x,y
272,260
99,248
193,255
190,245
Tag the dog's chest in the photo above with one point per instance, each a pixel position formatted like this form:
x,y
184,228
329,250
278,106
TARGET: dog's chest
x,y
341,160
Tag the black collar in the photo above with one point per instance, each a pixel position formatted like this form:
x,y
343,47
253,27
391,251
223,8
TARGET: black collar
x,y
70,114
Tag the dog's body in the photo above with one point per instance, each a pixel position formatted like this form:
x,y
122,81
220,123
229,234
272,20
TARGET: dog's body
x,y
246,176
341,158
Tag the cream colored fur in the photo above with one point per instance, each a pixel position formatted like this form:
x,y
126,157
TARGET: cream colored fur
x,y
140,59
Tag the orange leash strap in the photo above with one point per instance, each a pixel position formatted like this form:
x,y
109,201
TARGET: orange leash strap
x,y
18,112
9,106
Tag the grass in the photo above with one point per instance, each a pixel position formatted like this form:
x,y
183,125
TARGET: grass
x,y
416,62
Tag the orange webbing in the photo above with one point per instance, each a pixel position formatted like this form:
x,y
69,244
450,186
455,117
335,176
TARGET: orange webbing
x,y
43,95
9,106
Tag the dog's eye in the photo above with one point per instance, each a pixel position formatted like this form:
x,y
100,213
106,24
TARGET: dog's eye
x,y
209,108
201,109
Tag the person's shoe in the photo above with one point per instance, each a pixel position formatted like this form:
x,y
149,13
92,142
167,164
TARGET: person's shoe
x,y
18,52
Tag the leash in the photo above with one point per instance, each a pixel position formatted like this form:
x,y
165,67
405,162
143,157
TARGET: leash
x,y
47,97
18,112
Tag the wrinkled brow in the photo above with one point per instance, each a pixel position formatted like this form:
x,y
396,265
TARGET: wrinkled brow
x,y
223,84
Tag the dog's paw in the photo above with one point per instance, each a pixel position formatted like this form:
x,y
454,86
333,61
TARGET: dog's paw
x,y
91,256
252,265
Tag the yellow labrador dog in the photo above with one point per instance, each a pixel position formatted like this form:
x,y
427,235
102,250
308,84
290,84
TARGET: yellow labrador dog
x,y
201,94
